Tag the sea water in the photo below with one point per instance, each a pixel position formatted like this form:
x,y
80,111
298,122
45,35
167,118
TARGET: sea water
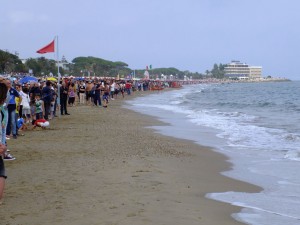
x,y
257,125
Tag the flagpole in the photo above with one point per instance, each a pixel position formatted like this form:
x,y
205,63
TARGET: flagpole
x,y
58,76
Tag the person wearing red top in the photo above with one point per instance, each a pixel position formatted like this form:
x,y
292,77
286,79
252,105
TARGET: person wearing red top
x,y
40,123
128,87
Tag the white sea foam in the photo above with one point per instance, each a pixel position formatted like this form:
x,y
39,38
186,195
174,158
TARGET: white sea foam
x,y
293,155
261,212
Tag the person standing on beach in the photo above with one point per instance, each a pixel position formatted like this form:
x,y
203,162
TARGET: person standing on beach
x,y
4,114
19,89
54,100
11,124
39,107
122,89
88,92
3,148
128,87
72,94
105,96
24,106
112,89
97,98
117,90
81,93
64,90
34,90
47,98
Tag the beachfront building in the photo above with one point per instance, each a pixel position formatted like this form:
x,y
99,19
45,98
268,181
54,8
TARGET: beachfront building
x,y
255,72
238,70
63,64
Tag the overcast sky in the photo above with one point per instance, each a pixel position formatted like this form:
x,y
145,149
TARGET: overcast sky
x,y
186,34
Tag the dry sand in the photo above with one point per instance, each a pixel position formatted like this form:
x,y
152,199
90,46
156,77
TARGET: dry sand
x,y
102,166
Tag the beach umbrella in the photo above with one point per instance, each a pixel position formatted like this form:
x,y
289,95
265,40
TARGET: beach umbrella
x,y
52,79
78,78
28,79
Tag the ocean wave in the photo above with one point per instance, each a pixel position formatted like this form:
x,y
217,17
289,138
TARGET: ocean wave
x,y
241,130
292,137
237,128
293,155
258,128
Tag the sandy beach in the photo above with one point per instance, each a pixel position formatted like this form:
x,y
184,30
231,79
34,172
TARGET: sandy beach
x,y
102,166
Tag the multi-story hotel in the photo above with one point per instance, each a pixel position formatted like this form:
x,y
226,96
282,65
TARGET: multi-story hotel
x,y
255,72
236,69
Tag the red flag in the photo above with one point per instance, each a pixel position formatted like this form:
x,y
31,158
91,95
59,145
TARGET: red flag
x,y
47,48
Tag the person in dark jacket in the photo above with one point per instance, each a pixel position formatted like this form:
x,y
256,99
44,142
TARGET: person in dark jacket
x,y
47,98
63,99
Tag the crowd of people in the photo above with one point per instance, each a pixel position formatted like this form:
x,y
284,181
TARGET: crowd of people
x,y
34,103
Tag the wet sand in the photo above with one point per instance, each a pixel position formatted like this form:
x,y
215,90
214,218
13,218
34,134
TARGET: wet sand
x,y
102,166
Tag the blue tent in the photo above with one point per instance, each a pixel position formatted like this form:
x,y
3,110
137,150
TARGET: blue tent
x,y
78,78
28,79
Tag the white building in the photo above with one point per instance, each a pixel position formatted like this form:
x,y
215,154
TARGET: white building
x,y
239,70
255,72
63,64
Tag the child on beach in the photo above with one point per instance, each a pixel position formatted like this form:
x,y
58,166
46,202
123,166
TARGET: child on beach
x,y
21,125
40,123
39,107
25,105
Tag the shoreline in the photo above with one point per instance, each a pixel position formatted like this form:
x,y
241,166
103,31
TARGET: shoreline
x,y
104,166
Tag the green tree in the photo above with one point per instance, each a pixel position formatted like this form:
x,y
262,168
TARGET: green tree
x,y
42,66
10,63
218,71
98,66
33,65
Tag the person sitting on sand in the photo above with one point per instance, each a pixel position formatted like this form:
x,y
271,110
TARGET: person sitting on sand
x,y
21,124
40,123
